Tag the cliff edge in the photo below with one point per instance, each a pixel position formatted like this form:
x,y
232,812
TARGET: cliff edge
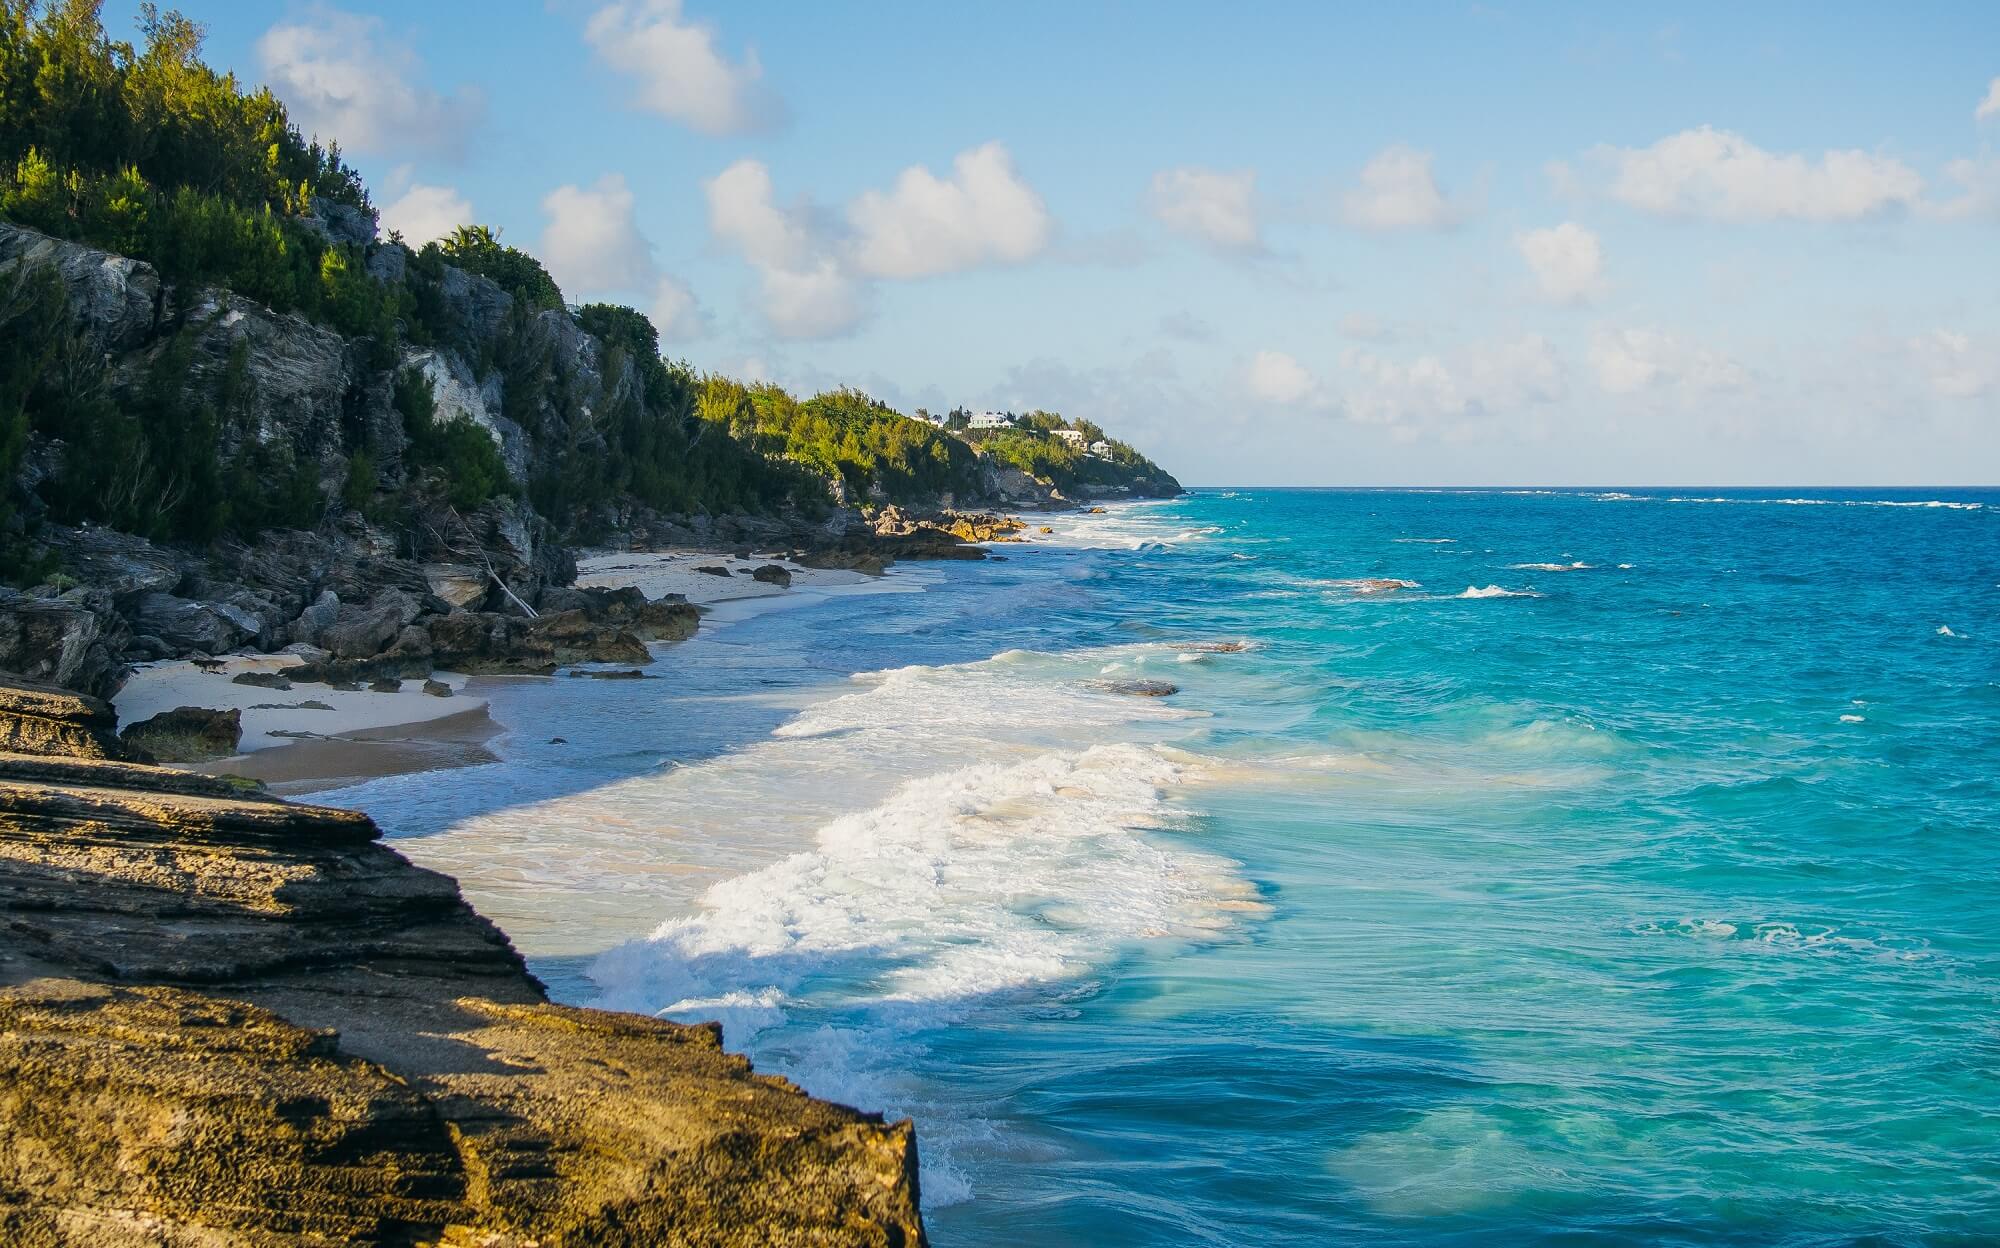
x,y
228,1019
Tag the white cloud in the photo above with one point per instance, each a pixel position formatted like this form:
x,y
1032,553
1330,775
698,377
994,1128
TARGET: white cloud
x,y
592,246
1218,208
424,213
1630,361
815,277
1956,366
680,73
592,240
1990,106
1981,200
1276,377
1484,381
1718,175
805,291
983,214
1398,191
675,312
1567,260
343,81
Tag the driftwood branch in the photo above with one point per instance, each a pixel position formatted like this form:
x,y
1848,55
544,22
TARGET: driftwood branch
x,y
478,551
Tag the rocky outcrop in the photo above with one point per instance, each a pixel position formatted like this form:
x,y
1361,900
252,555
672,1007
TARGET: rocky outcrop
x,y
54,722
225,1019
114,300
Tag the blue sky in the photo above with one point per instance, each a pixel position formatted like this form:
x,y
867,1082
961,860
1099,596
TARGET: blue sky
x,y
1450,244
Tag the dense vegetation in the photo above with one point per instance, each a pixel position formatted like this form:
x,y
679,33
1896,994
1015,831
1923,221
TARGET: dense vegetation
x,y
147,152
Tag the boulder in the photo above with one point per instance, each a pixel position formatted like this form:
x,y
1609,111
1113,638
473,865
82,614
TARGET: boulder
x,y
437,689
188,626
366,632
187,734
772,574
262,680
385,684
74,641
317,618
709,569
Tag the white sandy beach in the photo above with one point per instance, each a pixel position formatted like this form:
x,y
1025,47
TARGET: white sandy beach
x,y
276,717
673,572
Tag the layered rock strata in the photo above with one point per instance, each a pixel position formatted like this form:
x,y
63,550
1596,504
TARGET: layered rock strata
x,y
227,1019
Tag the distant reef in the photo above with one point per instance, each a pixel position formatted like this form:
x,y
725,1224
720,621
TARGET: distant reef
x,y
228,1019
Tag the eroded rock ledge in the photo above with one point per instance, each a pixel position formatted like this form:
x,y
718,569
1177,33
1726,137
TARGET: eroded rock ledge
x,y
226,1019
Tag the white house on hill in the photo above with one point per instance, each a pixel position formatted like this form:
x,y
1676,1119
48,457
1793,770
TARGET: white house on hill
x,y
991,420
1101,449
1072,436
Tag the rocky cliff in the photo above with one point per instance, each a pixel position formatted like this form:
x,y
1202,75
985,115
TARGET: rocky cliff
x,y
226,1019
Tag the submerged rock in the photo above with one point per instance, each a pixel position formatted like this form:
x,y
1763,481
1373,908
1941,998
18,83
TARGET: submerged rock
x,y
1140,688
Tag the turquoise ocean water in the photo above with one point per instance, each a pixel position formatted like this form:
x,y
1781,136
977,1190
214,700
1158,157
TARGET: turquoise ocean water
x,y
1627,872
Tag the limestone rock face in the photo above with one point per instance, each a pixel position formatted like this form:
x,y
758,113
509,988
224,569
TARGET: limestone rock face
x,y
226,1019
112,299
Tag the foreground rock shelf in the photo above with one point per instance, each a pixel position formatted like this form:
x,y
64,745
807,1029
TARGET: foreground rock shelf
x,y
226,1019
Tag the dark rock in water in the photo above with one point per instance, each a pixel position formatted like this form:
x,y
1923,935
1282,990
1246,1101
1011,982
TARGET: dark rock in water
x,y
262,680
385,684
1140,688
773,574
624,674
188,734
558,740
1212,647
437,689
47,720
226,1019
712,570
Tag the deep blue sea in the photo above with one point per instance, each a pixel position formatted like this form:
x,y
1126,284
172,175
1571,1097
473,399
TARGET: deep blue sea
x,y
1511,867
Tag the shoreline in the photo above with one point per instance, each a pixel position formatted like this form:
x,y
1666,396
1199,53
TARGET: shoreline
x,y
312,738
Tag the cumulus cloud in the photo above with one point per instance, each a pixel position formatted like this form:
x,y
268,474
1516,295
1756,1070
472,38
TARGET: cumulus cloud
x,y
343,80
1218,208
814,275
1275,377
1980,195
1398,191
678,70
1719,175
592,240
1482,381
423,213
1990,106
1955,366
1567,261
1630,361
984,213
806,293
592,245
